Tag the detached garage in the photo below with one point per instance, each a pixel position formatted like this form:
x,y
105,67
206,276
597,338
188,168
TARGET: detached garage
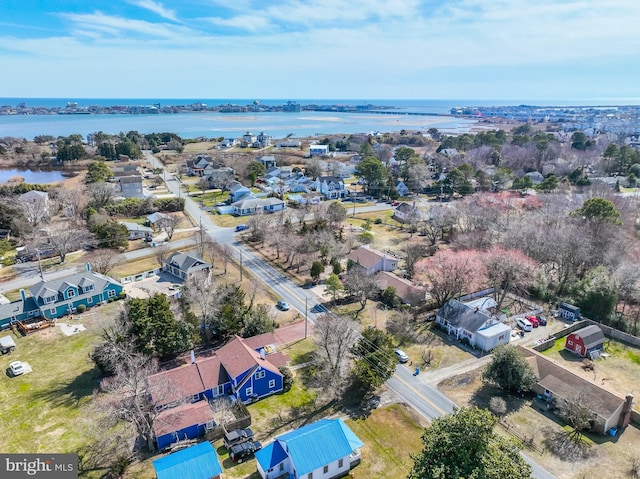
x,y
585,341
7,344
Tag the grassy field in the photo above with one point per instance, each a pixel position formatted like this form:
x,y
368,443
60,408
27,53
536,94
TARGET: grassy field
x,y
48,410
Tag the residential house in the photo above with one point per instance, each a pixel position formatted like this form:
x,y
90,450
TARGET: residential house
x,y
137,231
267,161
586,342
156,219
406,291
406,213
536,177
306,198
475,322
263,140
569,311
325,449
244,369
35,199
187,421
249,205
229,142
131,186
402,189
184,265
195,167
58,297
195,462
124,170
248,139
237,191
332,187
318,150
556,384
372,260
289,144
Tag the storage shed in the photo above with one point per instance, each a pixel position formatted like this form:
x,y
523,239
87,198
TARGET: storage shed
x,y
7,344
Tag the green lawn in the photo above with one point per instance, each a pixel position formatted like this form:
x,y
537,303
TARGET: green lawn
x,y
48,410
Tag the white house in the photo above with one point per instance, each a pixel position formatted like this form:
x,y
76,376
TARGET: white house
x,y
318,150
475,322
405,213
332,187
250,205
372,260
322,450
137,231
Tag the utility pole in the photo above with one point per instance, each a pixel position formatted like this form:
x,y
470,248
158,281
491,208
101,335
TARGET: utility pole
x,y
241,266
40,264
306,316
201,244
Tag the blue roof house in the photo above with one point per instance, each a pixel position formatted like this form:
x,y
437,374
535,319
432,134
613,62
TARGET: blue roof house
x,y
195,462
322,450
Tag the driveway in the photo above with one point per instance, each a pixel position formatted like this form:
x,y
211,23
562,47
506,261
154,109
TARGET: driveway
x,y
163,283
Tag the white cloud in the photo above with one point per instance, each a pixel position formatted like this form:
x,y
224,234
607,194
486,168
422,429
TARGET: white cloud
x,y
156,8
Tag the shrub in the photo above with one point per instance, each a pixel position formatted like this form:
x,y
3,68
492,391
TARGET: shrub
x,y
378,221
81,308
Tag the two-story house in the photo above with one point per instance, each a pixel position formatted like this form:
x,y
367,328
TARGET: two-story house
x,y
183,265
332,187
58,297
237,191
131,186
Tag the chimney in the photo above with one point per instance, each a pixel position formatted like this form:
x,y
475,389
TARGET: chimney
x,y
625,415
88,266
23,297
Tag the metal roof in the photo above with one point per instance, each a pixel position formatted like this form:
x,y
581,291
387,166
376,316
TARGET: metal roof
x,y
196,462
271,455
318,444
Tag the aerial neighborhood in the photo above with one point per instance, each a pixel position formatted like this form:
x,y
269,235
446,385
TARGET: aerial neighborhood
x,y
329,306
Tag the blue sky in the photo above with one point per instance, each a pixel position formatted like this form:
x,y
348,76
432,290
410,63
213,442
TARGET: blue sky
x,y
291,49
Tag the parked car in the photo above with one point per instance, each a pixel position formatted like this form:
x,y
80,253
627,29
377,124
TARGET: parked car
x,y
244,449
16,368
524,324
237,436
241,227
282,305
542,320
534,321
401,355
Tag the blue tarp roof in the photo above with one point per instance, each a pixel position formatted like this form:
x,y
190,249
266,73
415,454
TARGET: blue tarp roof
x,y
270,456
195,462
318,444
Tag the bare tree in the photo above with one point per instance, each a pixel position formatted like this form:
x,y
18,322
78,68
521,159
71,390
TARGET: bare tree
x,y
34,215
360,285
65,240
578,410
72,203
161,253
104,260
169,223
201,293
334,336
101,194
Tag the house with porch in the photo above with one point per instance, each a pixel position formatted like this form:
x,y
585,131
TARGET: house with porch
x,y
557,384
372,260
55,298
474,322
196,462
184,265
325,449
332,187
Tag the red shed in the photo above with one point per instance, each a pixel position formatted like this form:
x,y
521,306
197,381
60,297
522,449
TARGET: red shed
x,y
585,340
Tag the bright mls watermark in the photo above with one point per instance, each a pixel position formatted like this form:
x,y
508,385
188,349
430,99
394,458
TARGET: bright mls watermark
x,y
50,466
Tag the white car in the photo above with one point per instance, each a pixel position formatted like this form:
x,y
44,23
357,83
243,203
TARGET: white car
x,y
16,368
402,356
282,305
524,324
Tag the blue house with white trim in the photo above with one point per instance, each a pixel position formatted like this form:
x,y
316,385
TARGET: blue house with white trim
x,y
58,297
245,369
325,449
188,421
195,462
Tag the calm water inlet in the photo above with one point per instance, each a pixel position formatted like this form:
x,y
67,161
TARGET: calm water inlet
x,y
32,176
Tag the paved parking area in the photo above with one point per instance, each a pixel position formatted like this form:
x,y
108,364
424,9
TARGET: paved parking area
x,y
162,283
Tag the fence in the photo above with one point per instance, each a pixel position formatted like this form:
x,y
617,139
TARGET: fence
x,y
607,330
550,341
242,420
524,441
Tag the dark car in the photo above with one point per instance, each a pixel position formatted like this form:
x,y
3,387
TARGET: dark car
x,y
237,436
241,227
244,449
542,320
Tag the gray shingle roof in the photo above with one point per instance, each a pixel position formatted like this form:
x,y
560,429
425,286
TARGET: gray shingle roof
x,y
591,336
460,315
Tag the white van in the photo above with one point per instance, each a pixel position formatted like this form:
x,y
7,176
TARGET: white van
x,y
524,324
